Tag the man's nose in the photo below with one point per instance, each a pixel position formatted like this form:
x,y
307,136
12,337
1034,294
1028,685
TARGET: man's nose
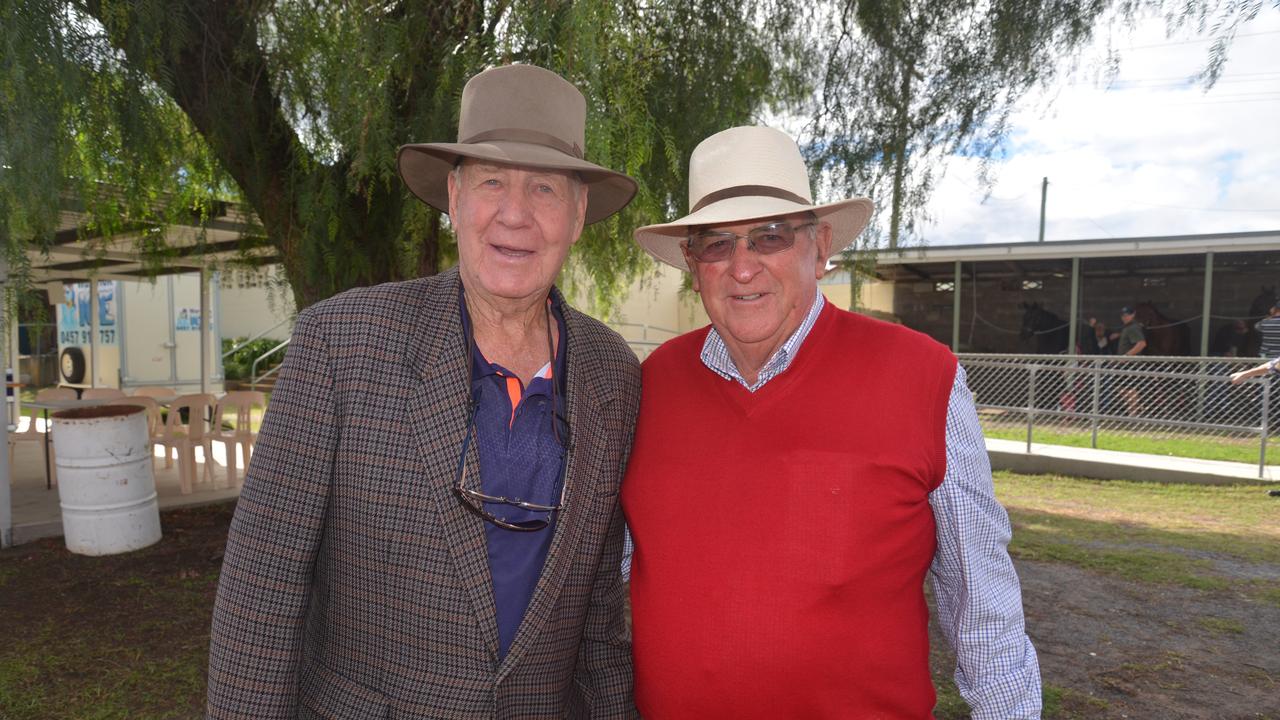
x,y
744,263
514,209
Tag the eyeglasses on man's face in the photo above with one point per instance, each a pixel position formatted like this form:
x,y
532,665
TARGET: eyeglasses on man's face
x,y
709,246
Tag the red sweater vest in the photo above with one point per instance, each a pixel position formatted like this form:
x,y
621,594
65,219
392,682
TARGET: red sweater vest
x,y
782,536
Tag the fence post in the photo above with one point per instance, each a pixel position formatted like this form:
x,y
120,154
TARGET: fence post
x,y
1097,405
1201,389
1031,404
1266,425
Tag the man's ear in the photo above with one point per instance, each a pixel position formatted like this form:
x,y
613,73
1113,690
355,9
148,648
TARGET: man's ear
x,y
693,268
822,244
451,181
583,191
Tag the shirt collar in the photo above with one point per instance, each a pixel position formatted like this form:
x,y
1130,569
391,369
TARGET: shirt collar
x,y
715,354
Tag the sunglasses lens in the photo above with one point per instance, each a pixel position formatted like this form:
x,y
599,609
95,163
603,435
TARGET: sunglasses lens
x,y
773,238
712,247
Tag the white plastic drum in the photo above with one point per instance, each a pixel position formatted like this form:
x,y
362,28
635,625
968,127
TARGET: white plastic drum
x,y
105,483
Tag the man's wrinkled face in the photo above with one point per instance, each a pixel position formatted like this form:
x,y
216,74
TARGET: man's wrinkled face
x,y
514,226
756,301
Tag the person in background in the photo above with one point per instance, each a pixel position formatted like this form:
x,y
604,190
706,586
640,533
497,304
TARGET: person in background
x,y
1130,341
1269,328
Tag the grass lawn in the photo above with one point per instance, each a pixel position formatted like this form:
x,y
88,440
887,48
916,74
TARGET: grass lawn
x,y
1201,447
1147,532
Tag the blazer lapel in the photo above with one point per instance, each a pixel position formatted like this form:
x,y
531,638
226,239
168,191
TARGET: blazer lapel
x,y
438,413
587,393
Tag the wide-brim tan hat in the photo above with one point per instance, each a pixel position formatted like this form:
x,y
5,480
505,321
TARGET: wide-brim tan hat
x,y
748,173
517,115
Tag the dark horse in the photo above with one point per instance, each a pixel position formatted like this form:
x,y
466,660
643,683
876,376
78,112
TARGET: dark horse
x,y
1052,334
1165,336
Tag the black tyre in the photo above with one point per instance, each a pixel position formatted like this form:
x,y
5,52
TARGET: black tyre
x,y
72,364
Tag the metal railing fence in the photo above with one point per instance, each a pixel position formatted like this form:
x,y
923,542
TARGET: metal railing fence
x,y
254,377
1172,405
644,344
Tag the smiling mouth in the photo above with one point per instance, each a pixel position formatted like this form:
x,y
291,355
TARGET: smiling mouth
x,y
753,296
511,252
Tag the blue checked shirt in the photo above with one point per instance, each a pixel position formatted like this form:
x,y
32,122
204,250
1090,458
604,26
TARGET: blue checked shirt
x,y
974,583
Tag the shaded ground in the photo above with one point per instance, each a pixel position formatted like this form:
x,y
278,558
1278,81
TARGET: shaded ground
x,y
1113,648
126,636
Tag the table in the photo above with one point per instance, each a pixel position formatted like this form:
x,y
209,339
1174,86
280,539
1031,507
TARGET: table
x,y
46,406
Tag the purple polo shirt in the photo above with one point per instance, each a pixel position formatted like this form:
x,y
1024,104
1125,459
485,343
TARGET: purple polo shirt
x,y
519,458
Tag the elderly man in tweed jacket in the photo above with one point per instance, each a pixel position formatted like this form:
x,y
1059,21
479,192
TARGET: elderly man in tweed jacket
x,y
430,526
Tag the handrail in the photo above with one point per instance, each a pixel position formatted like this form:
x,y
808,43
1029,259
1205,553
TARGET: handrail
x,y
272,371
255,337
645,328
254,379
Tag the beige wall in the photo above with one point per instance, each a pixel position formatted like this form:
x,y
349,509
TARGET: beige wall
x,y
655,310
251,301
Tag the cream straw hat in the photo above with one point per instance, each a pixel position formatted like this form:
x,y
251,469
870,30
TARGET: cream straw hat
x,y
745,173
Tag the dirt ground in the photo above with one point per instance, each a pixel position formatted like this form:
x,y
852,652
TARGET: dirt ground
x,y
1120,649
1108,648
123,636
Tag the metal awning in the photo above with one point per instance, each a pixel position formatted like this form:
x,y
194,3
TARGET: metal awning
x,y
1093,248
229,234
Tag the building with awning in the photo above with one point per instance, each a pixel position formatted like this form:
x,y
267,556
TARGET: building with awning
x,y
223,237
974,298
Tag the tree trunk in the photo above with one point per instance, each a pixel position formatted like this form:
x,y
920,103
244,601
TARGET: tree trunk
x,y
329,236
903,130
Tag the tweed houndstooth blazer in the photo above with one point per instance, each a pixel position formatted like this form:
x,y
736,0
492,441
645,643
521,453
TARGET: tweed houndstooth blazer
x,y
355,585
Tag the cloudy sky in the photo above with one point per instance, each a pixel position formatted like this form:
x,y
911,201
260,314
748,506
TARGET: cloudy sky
x,y
1151,154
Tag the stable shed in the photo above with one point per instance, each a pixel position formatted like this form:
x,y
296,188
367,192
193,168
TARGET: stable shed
x,y
975,297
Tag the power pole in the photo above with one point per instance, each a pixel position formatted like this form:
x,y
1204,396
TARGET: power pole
x,y
1044,194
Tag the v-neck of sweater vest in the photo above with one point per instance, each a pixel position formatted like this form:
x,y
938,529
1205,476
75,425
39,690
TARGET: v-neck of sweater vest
x,y
746,402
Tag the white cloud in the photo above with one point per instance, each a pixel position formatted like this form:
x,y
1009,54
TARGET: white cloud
x,y
1150,155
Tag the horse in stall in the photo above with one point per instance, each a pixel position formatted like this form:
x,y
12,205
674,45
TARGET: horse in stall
x,y
1165,336
1053,334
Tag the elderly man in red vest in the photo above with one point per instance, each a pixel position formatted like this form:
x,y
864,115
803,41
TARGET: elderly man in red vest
x,y
797,471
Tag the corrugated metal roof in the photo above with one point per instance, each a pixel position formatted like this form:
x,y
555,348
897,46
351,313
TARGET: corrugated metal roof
x,y
1104,247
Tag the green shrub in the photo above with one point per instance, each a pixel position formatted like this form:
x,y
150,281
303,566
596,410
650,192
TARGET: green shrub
x,y
237,365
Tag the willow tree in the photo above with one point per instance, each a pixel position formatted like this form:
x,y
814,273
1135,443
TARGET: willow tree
x,y
148,112
151,111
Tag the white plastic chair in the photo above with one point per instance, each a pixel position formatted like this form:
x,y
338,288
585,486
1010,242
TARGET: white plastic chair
x,y
182,438
241,436
34,434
